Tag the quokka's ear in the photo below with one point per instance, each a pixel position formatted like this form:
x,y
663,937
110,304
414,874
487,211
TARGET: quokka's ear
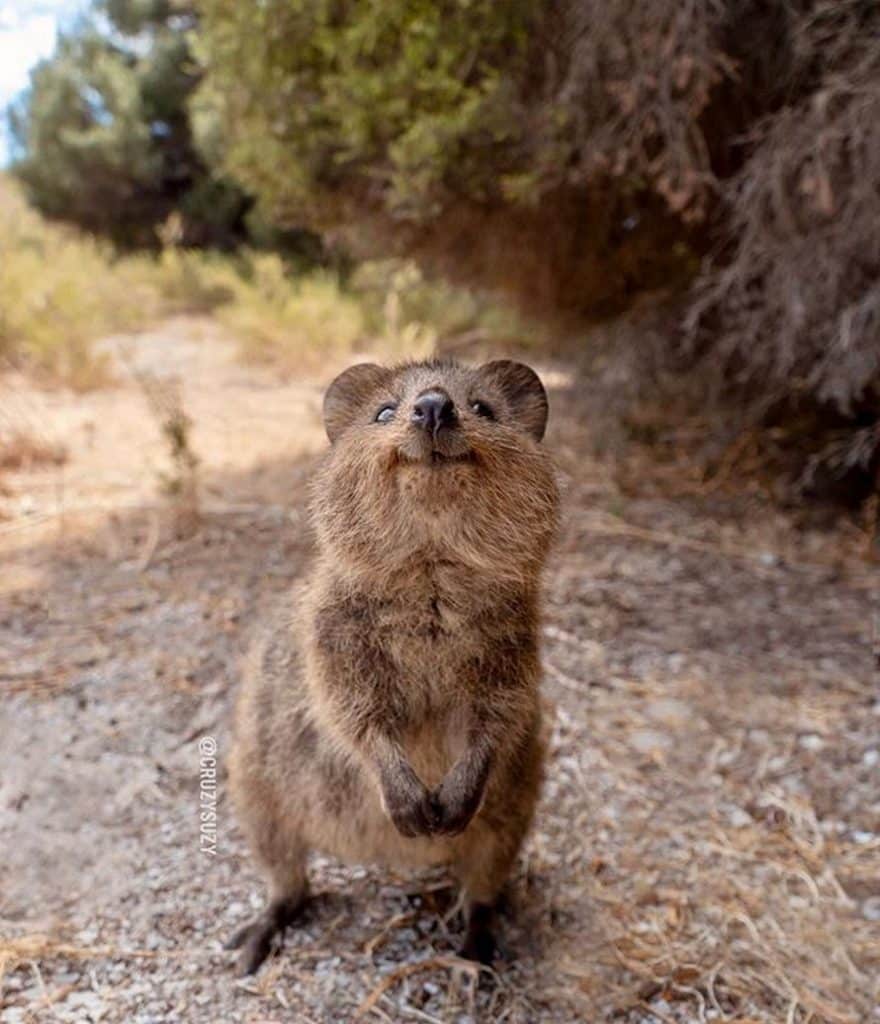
x,y
348,392
523,390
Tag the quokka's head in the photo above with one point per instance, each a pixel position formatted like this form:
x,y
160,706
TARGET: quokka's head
x,y
437,460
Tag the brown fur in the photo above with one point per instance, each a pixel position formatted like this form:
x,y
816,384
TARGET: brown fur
x,y
391,714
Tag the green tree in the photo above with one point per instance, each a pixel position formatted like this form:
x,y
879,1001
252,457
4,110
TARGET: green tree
x,y
103,134
390,103
580,152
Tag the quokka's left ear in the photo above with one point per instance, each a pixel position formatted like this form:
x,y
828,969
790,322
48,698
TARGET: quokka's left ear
x,y
523,391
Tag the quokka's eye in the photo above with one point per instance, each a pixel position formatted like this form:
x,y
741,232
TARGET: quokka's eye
x,y
386,414
481,409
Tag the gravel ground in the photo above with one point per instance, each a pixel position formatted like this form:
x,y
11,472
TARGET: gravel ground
x,y
708,845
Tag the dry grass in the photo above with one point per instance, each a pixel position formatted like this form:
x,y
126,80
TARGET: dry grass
x,y
291,324
20,449
388,308
720,894
708,842
179,482
39,948
58,291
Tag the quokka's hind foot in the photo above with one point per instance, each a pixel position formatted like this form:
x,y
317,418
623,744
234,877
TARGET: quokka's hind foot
x,y
479,940
256,939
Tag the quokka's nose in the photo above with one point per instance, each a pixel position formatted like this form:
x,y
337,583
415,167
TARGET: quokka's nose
x,y
433,410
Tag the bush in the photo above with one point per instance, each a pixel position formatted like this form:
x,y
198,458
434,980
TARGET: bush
x,y
288,322
102,137
412,315
389,98
190,280
791,313
58,291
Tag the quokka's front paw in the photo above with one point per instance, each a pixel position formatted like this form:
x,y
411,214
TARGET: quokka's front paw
x,y
409,805
455,806
460,795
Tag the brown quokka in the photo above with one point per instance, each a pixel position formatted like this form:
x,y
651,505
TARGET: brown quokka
x,y
392,714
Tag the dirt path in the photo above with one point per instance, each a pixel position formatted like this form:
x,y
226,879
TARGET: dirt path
x,y
708,846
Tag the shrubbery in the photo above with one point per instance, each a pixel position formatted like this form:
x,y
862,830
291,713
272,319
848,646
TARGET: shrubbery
x,y
60,290
581,152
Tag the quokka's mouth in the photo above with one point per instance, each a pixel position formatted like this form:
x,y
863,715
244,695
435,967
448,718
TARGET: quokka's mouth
x,y
435,458
439,458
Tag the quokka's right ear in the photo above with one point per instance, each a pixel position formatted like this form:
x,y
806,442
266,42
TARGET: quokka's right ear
x,y
348,392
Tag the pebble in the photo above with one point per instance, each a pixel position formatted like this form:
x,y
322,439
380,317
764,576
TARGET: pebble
x,y
811,742
871,909
648,741
669,711
739,818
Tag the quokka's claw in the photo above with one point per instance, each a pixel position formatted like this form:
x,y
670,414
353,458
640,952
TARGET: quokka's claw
x,y
256,939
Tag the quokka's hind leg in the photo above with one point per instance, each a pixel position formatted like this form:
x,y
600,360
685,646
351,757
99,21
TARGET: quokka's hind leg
x,y
483,866
288,893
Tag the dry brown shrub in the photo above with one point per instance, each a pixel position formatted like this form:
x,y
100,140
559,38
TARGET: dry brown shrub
x,y
790,313
621,90
755,125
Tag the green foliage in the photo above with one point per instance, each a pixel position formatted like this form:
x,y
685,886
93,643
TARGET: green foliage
x,y
413,314
581,153
103,133
398,102
386,307
190,280
286,322
59,291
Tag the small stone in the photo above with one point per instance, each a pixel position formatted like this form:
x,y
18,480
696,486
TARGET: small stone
x,y
668,711
871,909
812,742
738,817
649,741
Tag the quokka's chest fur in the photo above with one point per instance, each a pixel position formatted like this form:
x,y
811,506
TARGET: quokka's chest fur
x,y
433,641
